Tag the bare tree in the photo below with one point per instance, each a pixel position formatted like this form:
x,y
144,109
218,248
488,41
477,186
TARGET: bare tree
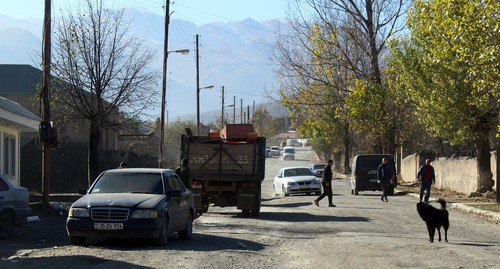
x,y
103,71
331,46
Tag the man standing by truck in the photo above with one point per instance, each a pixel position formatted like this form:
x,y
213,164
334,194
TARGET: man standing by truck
x,y
184,173
326,182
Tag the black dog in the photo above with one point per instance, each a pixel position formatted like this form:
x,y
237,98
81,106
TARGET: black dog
x,y
434,218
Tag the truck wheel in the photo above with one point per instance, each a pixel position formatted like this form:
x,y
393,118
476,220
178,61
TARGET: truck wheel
x,y
245,212
255,213
205,205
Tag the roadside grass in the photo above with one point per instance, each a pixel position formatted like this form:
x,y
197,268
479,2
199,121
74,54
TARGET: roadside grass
x,y
488,207
479,202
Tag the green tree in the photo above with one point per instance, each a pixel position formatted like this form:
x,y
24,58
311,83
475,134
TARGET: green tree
x,y
332,47
103,71
450,68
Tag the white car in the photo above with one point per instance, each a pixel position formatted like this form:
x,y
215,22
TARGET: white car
x,y
275,151
293,180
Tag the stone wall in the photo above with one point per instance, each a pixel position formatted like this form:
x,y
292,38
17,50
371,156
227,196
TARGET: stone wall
x,y
454,173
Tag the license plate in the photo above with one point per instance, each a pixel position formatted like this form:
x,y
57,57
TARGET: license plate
x,y
373,180
108,226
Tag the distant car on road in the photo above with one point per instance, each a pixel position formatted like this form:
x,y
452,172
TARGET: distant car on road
x,y
275,151
288,153
14,207
317,169
133,203
295,180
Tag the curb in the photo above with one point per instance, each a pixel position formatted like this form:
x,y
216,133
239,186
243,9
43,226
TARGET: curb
x,y
488,215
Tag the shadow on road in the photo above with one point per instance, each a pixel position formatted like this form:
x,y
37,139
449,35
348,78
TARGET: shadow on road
x,y
306,217
76,261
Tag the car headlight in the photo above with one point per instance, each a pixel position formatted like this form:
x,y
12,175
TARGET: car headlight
x,y
78,212
290,183
145,214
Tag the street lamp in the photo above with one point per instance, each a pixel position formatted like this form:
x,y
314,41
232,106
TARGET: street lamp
x,y
198,107
163,97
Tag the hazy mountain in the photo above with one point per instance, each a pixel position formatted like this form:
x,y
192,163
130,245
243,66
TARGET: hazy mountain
x,y
235,55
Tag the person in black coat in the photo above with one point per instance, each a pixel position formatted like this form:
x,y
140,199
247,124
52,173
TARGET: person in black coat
x,y
326,182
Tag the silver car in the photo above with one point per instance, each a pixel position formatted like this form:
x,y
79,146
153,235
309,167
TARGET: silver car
x,y
14,207
295,180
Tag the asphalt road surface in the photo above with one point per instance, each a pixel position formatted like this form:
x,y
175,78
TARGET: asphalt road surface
x,y
361,232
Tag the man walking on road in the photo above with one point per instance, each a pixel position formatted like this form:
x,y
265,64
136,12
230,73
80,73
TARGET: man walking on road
x,y
426,177
326,182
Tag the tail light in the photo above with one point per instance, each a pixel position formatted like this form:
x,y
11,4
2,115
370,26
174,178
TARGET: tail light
x,y
196,184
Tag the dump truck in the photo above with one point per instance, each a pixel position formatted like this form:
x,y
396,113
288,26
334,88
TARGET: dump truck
x,y
227,168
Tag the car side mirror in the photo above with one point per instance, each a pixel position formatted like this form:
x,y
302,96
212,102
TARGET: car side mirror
x,y
175,193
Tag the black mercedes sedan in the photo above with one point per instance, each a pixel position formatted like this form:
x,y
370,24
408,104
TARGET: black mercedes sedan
x,y
147,203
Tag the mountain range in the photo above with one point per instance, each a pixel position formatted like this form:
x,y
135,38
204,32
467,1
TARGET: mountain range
x,y
236,55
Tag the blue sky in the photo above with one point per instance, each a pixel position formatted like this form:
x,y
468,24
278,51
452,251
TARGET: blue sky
x,y
196,11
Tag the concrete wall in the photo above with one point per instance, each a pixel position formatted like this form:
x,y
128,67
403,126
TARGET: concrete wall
x,y
455,173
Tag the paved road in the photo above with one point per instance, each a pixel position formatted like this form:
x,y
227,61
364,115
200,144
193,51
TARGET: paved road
x,y
361,232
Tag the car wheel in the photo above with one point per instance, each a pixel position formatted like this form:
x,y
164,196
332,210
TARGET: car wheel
x,y
283,190
6,224
163,236
188,229
356,191
77,240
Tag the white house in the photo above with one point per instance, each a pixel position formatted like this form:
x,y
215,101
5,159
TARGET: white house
x,y
14,119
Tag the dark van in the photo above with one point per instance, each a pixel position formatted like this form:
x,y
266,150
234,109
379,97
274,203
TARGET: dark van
x,y
364,173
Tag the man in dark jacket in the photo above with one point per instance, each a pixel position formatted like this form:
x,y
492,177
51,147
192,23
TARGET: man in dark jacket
x,y
326,182
384,175
184,173
426,177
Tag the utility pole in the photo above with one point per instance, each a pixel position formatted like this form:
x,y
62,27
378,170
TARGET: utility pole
x,y
241,111
164,84
197,87
46,58
234,109
222,114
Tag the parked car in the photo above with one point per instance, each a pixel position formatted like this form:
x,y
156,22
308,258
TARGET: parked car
x,y
294,180
288,153
317,169
133,203
275,151
364,173
14,206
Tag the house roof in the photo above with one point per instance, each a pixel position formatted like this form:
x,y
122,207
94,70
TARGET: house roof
x,y
287,135
15,116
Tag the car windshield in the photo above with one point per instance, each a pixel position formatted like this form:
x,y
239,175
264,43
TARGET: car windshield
x,y
297,172
288,150
129,183
319,166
